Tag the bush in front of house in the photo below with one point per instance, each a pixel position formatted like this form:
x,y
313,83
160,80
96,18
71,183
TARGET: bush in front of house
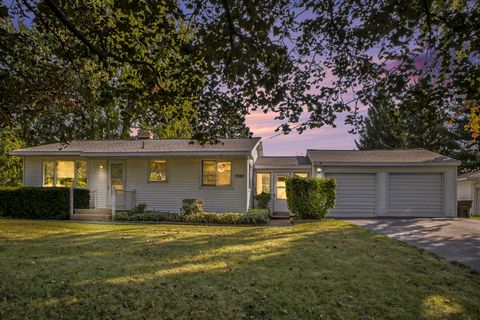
x,y
310,198
252,217
263,200
41,203
192,206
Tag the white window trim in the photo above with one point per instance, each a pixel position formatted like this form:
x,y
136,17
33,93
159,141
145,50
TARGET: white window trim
x,y
256,180
149,170
55,173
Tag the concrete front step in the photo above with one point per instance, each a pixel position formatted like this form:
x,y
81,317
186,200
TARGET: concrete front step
x,y
94,211
90,217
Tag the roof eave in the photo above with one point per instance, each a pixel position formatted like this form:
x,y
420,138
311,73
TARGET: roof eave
x,y
387,164
293,167
129,154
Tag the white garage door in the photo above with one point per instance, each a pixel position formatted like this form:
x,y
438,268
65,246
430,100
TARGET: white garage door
x,y
355,194
415,194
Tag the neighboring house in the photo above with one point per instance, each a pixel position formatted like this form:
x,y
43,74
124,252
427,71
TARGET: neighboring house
x,y
468,186
161,173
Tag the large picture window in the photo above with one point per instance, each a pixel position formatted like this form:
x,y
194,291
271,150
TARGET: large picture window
x,y
158,171
216,173
263,182
65,173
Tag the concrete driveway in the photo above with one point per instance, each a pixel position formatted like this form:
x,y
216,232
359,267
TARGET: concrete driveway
x,y
453,239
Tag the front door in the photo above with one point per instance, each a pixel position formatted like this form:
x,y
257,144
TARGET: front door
x,y
280,194
116,184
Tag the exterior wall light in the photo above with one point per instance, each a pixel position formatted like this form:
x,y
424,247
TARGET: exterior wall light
x,y
102,166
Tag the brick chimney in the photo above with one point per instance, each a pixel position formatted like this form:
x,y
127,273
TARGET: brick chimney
x,y
143,134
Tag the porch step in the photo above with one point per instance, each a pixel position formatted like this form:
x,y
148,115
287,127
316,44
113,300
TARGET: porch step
x,y
93,211
92,215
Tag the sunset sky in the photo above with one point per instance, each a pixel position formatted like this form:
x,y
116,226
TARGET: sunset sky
x,y
263,125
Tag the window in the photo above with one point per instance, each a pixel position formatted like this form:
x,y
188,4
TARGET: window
x,y
281,188
216,173
158,170
65,173
81,174
48,173
301,174
263,182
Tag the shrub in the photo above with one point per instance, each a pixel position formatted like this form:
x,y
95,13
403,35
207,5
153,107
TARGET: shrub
x,y
41,203
263,199
140,208
310,198
253,217
192,206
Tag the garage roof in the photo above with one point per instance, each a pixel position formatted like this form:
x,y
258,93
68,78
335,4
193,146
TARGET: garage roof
x,y
470,175
380,157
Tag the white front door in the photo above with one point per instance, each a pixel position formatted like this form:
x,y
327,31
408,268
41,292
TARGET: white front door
x,y
280,193
116,183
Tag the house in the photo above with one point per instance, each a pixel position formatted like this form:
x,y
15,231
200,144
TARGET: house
x,y
468,185
161,173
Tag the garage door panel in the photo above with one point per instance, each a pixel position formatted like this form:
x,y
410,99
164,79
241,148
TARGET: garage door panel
x,y
415,194
355,194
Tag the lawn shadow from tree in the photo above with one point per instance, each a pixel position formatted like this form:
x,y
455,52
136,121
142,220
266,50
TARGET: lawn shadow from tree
x,y
328,268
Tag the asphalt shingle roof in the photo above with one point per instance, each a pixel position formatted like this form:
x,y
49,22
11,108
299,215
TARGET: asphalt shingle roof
x,y
142,146
284,162
379,156
470,175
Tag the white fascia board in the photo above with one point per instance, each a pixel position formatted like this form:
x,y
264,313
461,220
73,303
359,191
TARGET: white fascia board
x,y
388,164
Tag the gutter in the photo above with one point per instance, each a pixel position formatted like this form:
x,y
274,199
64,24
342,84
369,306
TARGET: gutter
x,y
388,164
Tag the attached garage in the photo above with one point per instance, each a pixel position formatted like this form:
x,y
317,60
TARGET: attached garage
x,y
355,194
389,183
415,194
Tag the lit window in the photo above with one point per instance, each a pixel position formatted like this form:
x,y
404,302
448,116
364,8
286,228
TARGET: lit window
x,y
281,188
65,173
81,174
301,174
48,173
158,170
263,182
216,173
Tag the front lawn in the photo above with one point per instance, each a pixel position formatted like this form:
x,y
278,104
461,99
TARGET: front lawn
x,y
329,269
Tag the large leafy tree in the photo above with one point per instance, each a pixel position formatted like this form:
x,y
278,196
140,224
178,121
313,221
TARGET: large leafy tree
x,y
211,62
10,167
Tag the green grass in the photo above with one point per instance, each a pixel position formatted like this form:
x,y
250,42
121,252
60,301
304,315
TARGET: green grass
x,y
475,217
329,270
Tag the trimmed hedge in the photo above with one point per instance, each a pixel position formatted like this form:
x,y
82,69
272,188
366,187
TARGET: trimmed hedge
x,y
41,203
310,198
252,217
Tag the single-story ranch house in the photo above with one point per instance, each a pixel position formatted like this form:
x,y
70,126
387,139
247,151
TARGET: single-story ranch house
x,y
161,173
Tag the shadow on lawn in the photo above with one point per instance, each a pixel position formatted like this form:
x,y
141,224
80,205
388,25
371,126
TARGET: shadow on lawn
x,y
331,269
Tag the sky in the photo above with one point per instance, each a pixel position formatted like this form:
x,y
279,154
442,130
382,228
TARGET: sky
x,y
274,143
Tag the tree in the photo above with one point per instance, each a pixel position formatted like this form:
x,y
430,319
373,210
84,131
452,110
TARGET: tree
x,y
211,62
10,167
417,119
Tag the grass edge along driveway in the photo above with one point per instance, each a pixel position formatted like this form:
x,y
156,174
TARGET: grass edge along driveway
x,y
328,269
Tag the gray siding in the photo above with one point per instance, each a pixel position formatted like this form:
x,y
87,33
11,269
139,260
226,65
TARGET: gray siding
x,y
98,181
32,172
184,179
465,190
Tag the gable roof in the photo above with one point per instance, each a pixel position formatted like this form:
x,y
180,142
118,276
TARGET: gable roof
x,y
469,175
380,157
282,162
241,146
